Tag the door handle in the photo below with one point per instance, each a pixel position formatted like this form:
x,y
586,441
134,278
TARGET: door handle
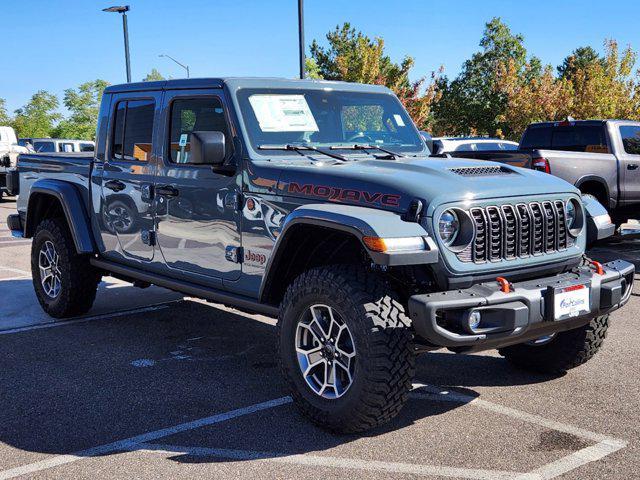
x,y
632,166
167,191
115,185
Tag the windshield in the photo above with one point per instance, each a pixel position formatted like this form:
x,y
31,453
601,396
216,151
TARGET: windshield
x,y
326,118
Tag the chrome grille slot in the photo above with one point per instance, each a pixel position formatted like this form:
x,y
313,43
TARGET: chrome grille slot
x,y
508,232
562,224
524,215
479,253
495,232
550,231
537,229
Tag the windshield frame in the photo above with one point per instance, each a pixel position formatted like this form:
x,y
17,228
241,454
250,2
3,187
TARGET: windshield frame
x,y
241,100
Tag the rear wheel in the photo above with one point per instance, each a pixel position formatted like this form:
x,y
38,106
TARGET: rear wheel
x,y
562,351
345,348
64,281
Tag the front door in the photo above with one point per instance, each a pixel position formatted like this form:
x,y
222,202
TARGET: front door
x,y
630,162
197,214
127,178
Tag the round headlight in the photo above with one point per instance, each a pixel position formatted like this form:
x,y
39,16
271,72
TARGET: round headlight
x,y
570,210
448,227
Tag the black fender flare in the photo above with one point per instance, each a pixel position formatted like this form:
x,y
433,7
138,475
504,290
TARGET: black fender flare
x,y
73,207
359,222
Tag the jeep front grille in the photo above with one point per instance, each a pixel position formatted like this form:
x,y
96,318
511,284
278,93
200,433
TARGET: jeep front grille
x,y
508,232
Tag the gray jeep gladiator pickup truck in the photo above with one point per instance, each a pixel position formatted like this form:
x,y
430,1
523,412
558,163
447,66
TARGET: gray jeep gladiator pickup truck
x,y
316,202
600,157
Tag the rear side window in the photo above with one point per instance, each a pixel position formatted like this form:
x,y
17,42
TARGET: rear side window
x,y
65,147
133,130
87,147
631,139
190,115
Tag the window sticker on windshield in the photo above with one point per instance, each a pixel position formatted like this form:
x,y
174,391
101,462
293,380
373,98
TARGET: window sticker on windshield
x,y
398,120
183,140
283,113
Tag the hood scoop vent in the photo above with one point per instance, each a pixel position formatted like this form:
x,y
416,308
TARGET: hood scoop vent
x,y
489,170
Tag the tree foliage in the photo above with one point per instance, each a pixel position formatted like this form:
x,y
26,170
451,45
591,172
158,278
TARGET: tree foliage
x,y
38,117
352,56
83,104
470,103
4,116
153,76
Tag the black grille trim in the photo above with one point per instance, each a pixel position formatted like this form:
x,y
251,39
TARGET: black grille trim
x,y
522,230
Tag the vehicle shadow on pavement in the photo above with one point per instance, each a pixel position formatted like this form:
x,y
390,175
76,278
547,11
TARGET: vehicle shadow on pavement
x,y
69,388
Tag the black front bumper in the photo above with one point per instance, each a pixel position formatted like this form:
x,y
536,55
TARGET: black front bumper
x,y
523,314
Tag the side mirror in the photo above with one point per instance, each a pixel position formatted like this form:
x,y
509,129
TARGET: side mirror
x,y
207,148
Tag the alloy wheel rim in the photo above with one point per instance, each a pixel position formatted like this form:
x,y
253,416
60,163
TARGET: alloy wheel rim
x,y
120,218
325,351
50,276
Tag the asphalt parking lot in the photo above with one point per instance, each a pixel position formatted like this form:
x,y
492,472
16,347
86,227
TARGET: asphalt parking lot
x,y
152,385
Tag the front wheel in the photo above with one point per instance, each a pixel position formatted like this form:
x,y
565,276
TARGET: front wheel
x,y
562,351
64,281
345,348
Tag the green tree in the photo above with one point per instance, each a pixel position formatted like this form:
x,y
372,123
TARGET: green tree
x,y
470,104
153,76
580,59
38,117
352,56
311,69
83,104
5,120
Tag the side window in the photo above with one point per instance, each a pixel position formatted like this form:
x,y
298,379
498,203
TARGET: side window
x,y
65,147
190,115
631,139
44,147
133,130
87,147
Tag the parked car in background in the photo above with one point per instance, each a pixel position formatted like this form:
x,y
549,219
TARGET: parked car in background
x,y
60,145
600,157
471,144
9,151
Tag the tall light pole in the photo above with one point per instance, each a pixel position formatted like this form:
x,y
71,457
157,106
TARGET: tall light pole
x,y
123,10
301,36
186,67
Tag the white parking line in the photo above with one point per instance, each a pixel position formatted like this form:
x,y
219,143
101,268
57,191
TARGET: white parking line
x,y
15,270
332,462
64,323
129,443
605,446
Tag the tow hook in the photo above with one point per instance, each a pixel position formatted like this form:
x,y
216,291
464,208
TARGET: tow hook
x,y
598,266
505,285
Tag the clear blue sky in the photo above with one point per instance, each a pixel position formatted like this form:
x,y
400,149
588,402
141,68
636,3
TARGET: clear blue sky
x,y
58,44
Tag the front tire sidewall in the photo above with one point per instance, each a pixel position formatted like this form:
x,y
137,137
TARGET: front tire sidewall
x,y
290,318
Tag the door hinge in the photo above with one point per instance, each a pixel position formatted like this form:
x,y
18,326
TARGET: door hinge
x,y
148,237
233,254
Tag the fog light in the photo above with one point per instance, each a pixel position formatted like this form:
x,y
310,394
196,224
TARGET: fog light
x,y
474,320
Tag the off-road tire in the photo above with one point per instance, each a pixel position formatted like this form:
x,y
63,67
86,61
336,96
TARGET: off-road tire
x,y
382,334
567,350
79,280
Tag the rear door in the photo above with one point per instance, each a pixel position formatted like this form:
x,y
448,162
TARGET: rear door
x,y
127,178
197,209
629,156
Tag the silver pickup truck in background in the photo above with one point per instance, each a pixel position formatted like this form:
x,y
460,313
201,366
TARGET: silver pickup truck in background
x,y
600,157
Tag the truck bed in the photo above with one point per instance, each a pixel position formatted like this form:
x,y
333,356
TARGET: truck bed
x,y
70,167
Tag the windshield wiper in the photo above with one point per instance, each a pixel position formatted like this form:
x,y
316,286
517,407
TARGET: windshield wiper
x,y
390,155
300,148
